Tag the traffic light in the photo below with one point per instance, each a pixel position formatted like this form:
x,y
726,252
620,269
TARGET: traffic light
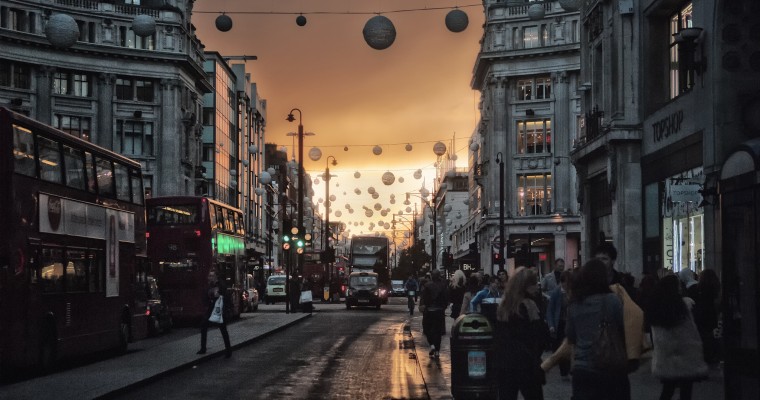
x,y
307,239
496,259
510,249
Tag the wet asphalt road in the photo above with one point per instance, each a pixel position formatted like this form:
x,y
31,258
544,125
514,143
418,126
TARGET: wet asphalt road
x,y
336,354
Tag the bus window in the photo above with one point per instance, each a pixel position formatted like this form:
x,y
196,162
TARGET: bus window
x,y
220,225
104,171
51,270
74,162
231,221
75,276
90,169
137,187
23,151
95,266
241,226
122,182
50,159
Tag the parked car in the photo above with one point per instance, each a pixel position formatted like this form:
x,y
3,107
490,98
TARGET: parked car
x,y
275,289
249,294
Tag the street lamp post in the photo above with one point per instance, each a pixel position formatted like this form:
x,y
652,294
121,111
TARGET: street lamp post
x,y
433,243
500,161
292,118
326,246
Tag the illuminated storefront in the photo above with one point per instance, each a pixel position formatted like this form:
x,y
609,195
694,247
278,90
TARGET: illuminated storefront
x,y
683,221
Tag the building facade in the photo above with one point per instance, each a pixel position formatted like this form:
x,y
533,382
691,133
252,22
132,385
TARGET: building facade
x,y
136,95
528,72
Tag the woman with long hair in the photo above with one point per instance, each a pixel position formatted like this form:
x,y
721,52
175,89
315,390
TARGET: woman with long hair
x,y
677,360
591,304
471,288
520,339
456,292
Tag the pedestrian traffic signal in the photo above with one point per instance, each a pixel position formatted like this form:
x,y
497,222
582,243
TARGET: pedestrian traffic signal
x,y
497,259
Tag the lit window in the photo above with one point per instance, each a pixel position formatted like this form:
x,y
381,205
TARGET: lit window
x,y
534,88
74,125
534,136
60,83
534,194
680,78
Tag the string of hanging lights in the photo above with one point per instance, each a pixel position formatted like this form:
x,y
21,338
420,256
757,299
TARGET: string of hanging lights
x,y
379,31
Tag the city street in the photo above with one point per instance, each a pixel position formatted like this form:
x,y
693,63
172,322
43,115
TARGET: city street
x,y
336,354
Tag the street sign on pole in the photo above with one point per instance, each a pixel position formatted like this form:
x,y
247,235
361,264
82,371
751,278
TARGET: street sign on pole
x,y
496,242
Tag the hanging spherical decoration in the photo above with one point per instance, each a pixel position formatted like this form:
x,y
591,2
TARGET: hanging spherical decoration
x,y
371,190
393,201
350,210
388,178
424,192
384,213
378,206
315,154
338,213
459,215
348,206
271,171
456,20
379,32
408,147
368,213
357,174
400,179
144,25
474,146
300,20
357,191
223,23
62,30
570,5
259,191
447,208
439,149
375,195
418,174
453,157
466,201
409,209
536,11
332,197
316,181
387,225
265,178
245,162
233,183
345,148
377,150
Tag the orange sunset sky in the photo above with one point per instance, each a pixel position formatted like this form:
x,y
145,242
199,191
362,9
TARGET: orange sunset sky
x,y
417,91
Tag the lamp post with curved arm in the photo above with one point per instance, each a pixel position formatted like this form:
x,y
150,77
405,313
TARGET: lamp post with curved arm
x,y
328,234
292,118
500,161
433,243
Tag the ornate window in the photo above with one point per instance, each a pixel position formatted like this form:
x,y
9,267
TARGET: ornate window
x,y
534,136
534,194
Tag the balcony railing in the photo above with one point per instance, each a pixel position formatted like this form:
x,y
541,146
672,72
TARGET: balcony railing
x,y
594,121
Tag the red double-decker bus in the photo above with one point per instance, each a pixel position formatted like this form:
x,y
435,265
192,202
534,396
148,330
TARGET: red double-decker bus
x,y
72,222
187,237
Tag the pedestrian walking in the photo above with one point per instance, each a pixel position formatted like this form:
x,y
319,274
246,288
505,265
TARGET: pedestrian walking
x,y
556,318
551,280
707,315
433,301
214,290
412,288
488,299
677,360
472,287
592,303
520,339
456,292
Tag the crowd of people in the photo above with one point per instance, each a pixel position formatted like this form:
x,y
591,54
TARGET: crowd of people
x,y
593,322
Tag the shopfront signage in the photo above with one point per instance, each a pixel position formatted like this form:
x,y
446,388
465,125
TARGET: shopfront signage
x,y
685,193
670,125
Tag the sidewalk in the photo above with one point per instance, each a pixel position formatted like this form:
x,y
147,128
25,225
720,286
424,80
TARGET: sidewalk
x,y
115,374
437,375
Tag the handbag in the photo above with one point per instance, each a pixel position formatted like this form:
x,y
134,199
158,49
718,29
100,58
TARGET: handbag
x,y
608,353
216,315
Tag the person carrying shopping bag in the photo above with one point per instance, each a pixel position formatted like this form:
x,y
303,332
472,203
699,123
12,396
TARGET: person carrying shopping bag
x,y
217,314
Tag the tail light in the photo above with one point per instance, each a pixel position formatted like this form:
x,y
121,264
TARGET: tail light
x,y
197,233
147,235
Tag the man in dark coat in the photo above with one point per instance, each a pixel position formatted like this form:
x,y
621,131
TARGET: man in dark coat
x,y
434,299
216,288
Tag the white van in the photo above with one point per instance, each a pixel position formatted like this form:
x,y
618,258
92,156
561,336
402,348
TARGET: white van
x,y
275,290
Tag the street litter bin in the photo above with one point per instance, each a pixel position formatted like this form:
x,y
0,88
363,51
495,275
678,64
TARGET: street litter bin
x,y
472,358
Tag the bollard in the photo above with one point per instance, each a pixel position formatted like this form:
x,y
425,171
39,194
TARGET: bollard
x,y
472,358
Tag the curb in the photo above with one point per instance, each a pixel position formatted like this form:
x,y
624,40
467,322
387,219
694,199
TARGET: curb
x,y
199,360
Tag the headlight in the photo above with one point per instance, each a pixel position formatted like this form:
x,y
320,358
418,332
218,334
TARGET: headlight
x,y
376,292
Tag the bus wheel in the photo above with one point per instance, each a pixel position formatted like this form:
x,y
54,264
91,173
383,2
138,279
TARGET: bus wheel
x,y
48,354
